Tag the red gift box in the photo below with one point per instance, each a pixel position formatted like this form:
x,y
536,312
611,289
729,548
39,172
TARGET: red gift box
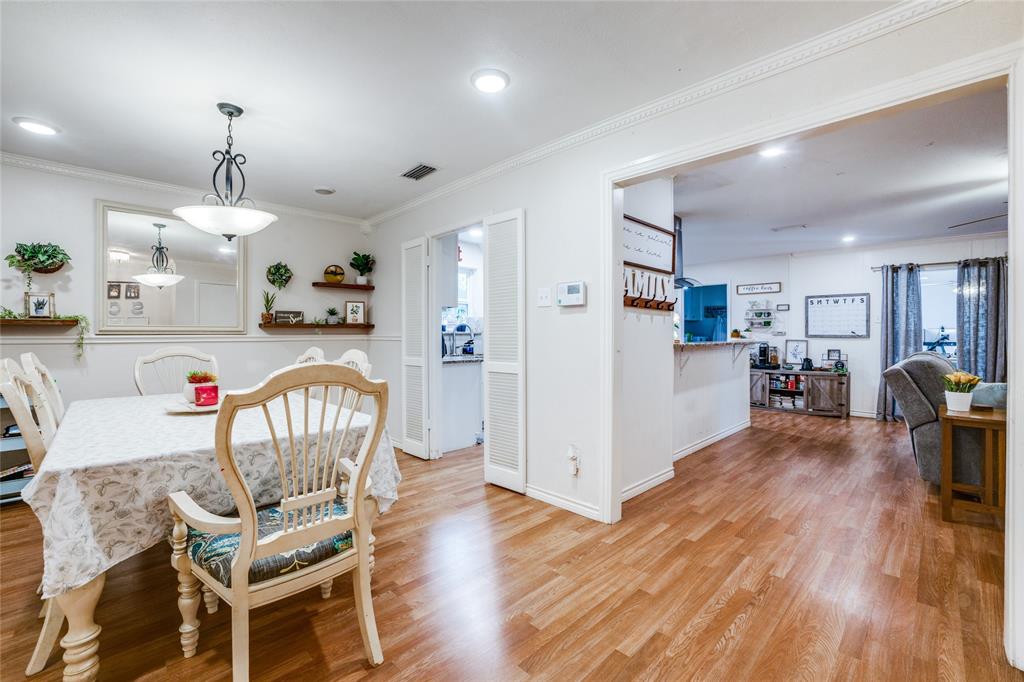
x,y
207,395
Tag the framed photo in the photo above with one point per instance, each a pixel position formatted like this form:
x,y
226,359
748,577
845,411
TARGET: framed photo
x,y
759,288
132,290
834,354
39,304
796,350
782,307
355,312
288,317
113,290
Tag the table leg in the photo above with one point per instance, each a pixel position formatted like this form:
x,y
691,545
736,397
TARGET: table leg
x,y
81,643
947,471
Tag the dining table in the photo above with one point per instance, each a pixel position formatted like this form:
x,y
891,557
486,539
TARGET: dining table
x,y
101,491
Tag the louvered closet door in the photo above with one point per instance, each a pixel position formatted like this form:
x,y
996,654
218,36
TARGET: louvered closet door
x,y
415,410
504,361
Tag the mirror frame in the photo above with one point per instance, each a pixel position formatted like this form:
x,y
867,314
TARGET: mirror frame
x,y
103,208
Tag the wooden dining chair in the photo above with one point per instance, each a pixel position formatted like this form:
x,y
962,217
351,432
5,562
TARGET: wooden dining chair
x,y
313,535
311,354
167,369
36,370
31,411
357,360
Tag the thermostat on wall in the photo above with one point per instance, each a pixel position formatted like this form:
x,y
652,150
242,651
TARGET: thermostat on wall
x,y
572,293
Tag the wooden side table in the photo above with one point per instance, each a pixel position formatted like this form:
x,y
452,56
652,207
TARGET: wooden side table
x,y
992,490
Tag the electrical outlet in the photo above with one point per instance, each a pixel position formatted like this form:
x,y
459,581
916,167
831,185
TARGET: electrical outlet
x,y
573,455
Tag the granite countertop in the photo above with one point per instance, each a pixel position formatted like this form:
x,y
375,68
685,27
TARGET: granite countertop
x,y
704,345
461,359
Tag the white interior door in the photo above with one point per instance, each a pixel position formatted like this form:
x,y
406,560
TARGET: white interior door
x,y
415,326
504,361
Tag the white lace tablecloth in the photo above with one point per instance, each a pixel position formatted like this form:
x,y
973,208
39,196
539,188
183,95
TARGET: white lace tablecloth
x,y
101,493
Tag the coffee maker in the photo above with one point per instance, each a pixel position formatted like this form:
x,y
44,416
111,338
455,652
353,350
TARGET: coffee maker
x,y
763,359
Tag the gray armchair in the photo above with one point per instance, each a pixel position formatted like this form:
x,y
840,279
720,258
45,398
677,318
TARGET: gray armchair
x,y
917,384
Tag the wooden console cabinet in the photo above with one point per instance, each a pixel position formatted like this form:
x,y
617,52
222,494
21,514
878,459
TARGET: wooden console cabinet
x,y
825,394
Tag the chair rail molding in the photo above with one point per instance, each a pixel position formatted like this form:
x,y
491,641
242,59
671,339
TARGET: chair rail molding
x,y
875,25
83,173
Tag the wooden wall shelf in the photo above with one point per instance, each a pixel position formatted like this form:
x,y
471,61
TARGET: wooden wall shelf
x,y
310,325
37,322
343,285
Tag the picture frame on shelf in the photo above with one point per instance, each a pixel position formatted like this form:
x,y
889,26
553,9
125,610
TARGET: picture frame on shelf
x,y
132,290
39,305
113,290
289,317
796,350
355,312
834,354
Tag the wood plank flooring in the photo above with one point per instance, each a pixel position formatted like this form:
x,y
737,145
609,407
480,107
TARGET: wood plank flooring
x,y
802,548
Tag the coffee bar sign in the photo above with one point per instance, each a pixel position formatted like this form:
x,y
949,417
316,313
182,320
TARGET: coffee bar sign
x,y
648,246
759,288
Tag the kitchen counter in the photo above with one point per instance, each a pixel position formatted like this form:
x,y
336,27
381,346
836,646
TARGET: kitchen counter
x,y
461,359
704,345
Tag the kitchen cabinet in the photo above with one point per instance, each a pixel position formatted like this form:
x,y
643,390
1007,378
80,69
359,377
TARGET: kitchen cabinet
x,y
758,389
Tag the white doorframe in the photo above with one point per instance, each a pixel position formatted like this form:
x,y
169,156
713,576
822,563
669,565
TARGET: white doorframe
x,y
434,341
1005,61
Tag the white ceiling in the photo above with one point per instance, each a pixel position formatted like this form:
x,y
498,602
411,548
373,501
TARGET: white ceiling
x,y
907,174
351,95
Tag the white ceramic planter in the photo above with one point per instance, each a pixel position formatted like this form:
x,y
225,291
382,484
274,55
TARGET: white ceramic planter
x,y
189,392
958,402
362,279
333,319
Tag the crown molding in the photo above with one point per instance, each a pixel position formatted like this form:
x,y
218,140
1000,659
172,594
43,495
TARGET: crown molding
x,y
869,28
83,173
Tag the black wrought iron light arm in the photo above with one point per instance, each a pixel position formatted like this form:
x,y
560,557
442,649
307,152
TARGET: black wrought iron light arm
x,y
231,163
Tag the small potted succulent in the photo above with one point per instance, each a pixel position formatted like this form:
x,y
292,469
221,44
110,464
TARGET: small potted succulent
x,y
333,316
269,299
42,258
959,387
279,274
197,385
363,264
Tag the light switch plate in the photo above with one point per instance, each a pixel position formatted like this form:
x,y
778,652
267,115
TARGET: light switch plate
x,y
544,297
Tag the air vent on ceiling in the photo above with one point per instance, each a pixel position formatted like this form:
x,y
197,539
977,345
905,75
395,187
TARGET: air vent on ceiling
x,y
419,172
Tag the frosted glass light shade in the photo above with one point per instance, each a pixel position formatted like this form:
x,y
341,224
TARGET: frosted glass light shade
x,y
158,279
228,221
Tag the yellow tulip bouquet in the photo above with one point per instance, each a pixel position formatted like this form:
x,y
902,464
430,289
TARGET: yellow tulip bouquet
x,y
960,382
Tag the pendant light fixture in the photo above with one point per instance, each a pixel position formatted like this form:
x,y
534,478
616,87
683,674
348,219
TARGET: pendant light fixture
x,y
161,273
226,215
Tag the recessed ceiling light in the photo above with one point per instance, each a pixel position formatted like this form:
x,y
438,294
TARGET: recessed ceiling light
x,y
490,80
771,152
849,238
35,126
476,232
325,191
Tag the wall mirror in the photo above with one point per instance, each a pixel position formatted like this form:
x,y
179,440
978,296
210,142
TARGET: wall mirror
x,y
160,275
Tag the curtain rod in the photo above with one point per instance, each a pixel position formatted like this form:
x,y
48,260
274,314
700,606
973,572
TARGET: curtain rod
x,y
878,268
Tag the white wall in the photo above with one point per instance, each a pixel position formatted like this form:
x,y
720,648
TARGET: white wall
x,y
646,419
712,396
840,271
42,206
561,196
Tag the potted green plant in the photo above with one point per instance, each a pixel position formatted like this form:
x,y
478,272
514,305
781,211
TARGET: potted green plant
x,y
332,316
279,275
194,380
363,264
267,316
959,387
36,257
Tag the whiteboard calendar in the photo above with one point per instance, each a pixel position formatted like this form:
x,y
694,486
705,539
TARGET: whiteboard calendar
x,y
838,316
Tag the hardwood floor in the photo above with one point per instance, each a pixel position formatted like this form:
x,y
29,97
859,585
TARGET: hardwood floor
x,y
802,548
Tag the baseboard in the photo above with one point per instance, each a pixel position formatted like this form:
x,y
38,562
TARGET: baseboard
x,y
713,438
561,501
648,483
858,413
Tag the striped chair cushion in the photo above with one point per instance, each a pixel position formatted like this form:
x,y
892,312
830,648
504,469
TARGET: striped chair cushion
x,y
214,553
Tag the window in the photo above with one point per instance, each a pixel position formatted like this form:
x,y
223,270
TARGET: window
x,y
938,310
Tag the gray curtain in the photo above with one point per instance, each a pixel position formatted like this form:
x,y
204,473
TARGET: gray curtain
x,y
981,317
902,333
